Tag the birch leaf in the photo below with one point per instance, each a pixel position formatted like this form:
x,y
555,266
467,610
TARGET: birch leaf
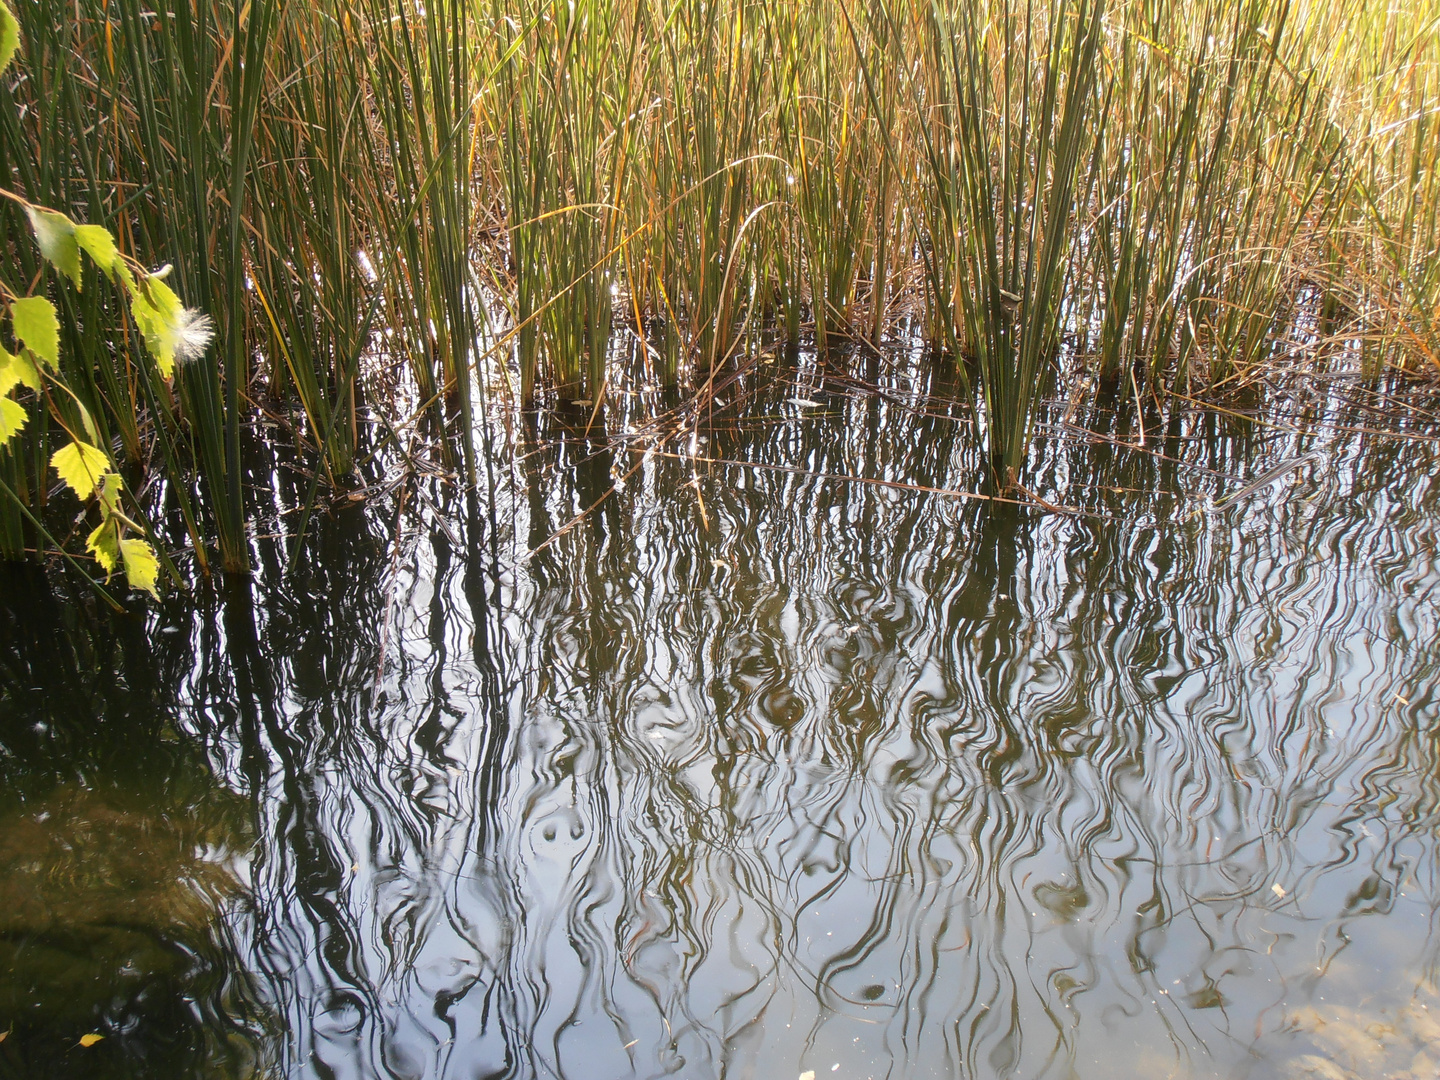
x,y
80,465
87,423
55,233
12,419
96,241
156,309
90,1040
141,566
108,491
9,35
104,544
17,369
37,327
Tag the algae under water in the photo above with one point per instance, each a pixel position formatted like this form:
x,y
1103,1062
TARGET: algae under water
x,y
751,772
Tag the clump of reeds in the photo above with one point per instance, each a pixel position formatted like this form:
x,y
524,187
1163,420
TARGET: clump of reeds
x,y
307,170
1143,194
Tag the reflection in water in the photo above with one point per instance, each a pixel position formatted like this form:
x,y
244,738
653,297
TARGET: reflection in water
x,y
751,772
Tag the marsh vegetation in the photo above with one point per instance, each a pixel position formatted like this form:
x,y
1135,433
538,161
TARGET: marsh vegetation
x,y
415,224
718,538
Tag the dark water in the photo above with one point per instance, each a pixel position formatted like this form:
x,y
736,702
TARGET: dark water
x,y
751,773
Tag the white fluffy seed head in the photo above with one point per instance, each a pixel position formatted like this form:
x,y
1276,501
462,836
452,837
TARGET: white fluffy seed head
x,y
193,334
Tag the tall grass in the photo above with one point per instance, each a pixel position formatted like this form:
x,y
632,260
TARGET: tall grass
x,y
1004,153
827,138
559,115
307,169
700,149
1150,195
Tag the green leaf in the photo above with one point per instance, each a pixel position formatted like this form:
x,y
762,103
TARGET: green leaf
x,y
100,246
156,309
55,233
80,465
141,566
17,369
173,333
109,490
104,544
87,422
9,35
37,327
12,419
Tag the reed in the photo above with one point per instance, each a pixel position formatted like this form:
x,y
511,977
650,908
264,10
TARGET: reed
x,y
307,171
562,123
1133,194
1015,248
701,146
828,139
421,77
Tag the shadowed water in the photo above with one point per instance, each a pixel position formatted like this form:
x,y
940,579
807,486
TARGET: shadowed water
x,y
753,772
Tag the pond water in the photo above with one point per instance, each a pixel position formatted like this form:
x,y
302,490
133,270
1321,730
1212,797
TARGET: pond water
x,y
784,759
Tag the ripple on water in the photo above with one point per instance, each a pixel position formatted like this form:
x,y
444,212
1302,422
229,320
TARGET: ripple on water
x,y
853,781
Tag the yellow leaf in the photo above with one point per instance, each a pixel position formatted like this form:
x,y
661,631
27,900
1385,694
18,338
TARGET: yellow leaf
x,y
104,545
55,233
155,308
9,42
87,423
12,419
109,490
80,465
17,369
173,333
96,241
90,1040
37,327
141,566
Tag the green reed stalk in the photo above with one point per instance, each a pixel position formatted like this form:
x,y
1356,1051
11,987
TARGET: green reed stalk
x,y
1018,116
706,77
825,134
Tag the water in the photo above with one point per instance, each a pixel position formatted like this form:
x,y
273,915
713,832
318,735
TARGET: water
x,y
751,773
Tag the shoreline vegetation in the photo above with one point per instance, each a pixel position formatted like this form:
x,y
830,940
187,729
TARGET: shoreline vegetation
x,y
413,223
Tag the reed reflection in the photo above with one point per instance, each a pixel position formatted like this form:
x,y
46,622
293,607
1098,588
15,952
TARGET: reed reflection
x,y
846,775
786,757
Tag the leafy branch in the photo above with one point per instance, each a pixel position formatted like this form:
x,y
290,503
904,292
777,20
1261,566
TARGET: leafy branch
x,y
172,332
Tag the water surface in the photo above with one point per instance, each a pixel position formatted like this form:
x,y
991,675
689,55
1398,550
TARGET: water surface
x,y
758,768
